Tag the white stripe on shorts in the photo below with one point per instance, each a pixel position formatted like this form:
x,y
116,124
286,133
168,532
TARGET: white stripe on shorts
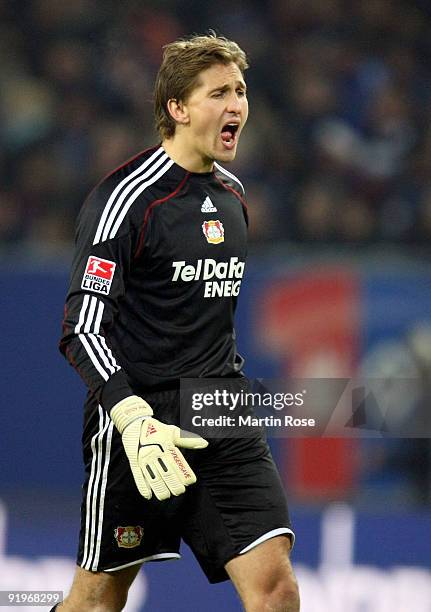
x,y
157,557
267,536
95,497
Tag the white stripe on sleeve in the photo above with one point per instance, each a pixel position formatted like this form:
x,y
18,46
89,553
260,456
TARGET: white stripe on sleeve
x,y
93,357
95,340
90,315
121,208
82,313
119,187
99,316
109,352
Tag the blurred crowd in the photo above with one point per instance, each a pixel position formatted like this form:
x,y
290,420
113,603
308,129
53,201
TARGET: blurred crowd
x,y
337,150
338,147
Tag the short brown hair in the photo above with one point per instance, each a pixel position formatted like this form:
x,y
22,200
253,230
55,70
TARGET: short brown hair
x,y
182,62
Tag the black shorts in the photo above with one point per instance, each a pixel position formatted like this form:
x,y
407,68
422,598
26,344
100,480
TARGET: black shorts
x,y
237,502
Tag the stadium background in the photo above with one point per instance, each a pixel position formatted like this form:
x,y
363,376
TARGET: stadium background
x,y
336,161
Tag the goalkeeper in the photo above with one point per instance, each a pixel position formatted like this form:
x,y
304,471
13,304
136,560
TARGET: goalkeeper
x,y
160,252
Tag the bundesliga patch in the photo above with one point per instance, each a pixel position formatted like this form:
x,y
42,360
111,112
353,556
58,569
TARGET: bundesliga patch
x,y
128,537
213,231
98,275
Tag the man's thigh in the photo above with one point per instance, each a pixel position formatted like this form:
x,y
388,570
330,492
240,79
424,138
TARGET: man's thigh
x,y
264,574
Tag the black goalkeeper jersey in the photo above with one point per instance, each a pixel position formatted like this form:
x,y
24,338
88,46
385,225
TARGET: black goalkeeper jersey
x,y
160,254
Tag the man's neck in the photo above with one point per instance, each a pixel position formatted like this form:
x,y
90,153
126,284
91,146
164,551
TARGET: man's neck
x,y
186,157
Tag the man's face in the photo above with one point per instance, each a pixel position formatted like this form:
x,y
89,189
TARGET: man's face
x,y
217,111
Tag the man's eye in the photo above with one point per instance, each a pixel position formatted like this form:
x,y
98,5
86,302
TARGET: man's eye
x,y
241,92
218,94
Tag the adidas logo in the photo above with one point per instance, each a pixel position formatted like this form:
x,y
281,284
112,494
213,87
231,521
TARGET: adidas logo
x,y
208,206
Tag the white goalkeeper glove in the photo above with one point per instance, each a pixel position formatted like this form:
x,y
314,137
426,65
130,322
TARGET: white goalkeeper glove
x,y
158,466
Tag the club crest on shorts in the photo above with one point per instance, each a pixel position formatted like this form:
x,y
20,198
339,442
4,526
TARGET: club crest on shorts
x,y
128,537
98,275
213,231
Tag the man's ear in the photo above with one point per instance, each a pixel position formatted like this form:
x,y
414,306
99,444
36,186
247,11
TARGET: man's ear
x,y
178,111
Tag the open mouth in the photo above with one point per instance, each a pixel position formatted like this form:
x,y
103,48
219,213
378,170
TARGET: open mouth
x,y
228,133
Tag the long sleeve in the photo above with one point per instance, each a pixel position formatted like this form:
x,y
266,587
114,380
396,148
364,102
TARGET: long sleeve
x,y
104,250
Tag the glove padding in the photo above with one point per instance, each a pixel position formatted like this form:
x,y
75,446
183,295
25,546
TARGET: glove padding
x,y
157,465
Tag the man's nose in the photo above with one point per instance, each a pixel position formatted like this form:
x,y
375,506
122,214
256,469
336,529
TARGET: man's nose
x,y
234,104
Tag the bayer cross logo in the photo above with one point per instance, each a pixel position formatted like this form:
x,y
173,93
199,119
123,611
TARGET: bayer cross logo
x,y
128,537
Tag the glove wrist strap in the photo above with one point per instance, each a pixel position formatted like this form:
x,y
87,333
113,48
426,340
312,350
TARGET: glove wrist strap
x,y
129,410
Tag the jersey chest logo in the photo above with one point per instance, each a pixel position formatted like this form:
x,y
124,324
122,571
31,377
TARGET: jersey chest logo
x,y
208,206
213,231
